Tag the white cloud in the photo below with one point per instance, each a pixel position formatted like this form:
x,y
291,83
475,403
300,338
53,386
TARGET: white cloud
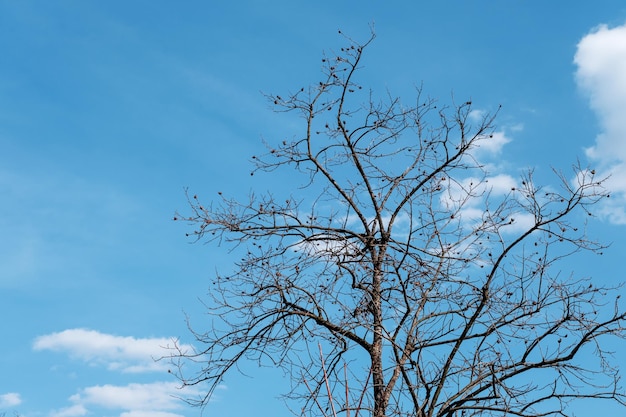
x,y
472,194
125,354
149,414
477,115
492,146
152,396
76,410
10,399
156,399
501,184
601,75
470,191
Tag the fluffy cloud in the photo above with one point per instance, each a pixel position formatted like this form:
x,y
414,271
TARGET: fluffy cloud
x,y
157,399
491,189
149,414
76,410
492,146
125,354
122,354
153,396
601,74
10,399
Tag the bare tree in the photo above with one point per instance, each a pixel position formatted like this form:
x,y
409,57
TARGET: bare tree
x,y
404,258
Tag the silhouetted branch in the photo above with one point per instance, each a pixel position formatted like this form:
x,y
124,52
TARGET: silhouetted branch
x,y
406,258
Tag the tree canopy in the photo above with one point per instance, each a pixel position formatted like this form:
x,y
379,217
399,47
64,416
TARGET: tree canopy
x,y
433,287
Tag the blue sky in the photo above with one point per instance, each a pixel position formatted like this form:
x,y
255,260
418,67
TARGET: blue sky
x,y
109,108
